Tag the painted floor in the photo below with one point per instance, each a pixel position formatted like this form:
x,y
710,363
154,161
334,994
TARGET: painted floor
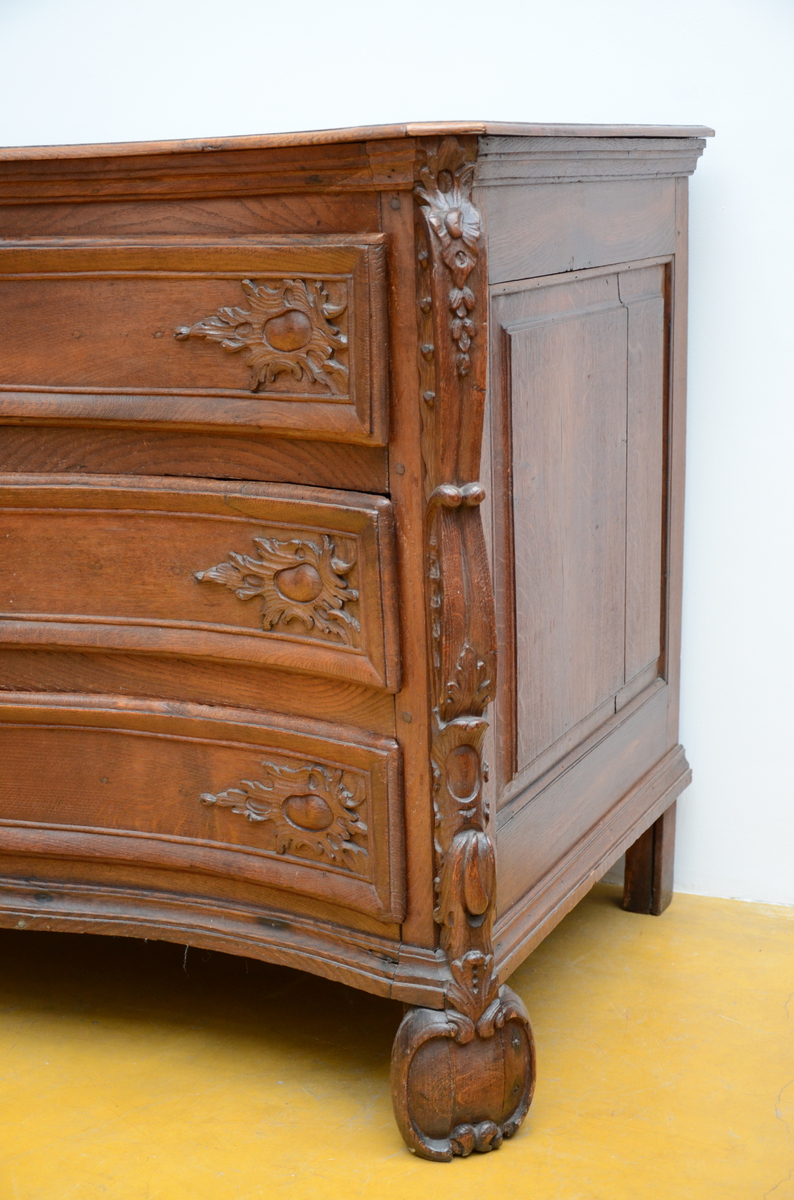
x,y
666,1070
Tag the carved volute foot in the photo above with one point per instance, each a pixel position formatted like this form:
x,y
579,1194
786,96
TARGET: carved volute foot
x,y
459,1086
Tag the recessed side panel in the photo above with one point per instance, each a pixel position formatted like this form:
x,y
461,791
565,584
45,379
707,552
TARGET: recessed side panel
x,y
578,435
286,803
282,334
642,293
569,468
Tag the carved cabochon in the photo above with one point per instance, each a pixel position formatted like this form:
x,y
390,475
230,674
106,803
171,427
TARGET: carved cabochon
x,y
280,334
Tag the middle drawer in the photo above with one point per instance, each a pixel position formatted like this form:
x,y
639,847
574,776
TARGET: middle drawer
x,y
299,578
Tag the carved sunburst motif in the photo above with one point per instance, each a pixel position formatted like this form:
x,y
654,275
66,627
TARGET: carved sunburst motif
x,y
314,810
286,330
298,580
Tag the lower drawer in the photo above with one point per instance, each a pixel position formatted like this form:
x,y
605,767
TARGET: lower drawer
x,y
290,803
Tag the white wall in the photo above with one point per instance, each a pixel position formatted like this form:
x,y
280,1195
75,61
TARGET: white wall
x,y
89,70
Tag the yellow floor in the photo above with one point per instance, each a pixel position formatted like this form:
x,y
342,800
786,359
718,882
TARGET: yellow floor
x,y
666,1070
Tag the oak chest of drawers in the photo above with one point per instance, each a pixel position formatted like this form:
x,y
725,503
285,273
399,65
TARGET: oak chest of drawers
x,y
341,489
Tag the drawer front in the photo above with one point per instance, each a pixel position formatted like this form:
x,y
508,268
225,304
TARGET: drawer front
x,y
302,579
288,803
278,334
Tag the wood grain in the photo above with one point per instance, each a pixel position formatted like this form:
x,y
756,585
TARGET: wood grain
x,y
546,228
234,216
254,456
676,456
406,487
642,292
368,133
234,684
569,497
537,828
266,929
523,926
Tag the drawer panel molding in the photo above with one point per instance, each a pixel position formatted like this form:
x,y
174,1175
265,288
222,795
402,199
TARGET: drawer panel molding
x,y
134,334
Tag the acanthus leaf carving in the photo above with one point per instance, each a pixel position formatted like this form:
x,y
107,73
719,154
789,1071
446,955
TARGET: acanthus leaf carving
x,y
470,688
299,580
313,809
287,329
444,191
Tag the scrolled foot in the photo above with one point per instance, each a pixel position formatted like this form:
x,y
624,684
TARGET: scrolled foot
x,y
458,1086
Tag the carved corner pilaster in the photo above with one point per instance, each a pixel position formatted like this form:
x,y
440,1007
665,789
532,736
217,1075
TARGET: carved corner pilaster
x,y
462,1078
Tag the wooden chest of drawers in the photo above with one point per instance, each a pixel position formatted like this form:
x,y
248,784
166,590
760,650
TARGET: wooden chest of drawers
x,y
341,489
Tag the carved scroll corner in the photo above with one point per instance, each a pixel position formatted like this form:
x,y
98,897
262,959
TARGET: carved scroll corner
x,y
489,1081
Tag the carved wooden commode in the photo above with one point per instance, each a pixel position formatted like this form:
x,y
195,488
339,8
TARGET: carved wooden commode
x,y
341,522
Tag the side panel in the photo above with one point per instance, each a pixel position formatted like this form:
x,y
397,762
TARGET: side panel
x,y
551,227
578,415
568,372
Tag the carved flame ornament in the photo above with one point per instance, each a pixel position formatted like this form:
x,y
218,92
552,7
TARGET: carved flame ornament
x,y
488,1061
287,329
313,811
299,581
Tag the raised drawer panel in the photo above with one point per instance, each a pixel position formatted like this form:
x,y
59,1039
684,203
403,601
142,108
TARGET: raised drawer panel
x,y
253,573
287,803
279,334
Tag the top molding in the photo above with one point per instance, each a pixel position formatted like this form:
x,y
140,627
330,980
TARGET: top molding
x,y
359,133
508,160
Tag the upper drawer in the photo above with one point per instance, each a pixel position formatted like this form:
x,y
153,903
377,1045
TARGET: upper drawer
x,y
279,334
258,573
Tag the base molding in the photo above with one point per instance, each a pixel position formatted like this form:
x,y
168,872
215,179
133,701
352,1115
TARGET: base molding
x,y
529,920
349,956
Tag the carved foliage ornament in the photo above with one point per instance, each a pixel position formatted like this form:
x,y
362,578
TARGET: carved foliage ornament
x,y
287,329
444,193
490,1061
314,811
300,581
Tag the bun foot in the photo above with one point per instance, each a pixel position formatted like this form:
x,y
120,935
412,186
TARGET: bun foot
x,y
460,1085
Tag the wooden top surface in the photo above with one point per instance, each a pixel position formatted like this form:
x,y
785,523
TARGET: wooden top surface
x,y
360,133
